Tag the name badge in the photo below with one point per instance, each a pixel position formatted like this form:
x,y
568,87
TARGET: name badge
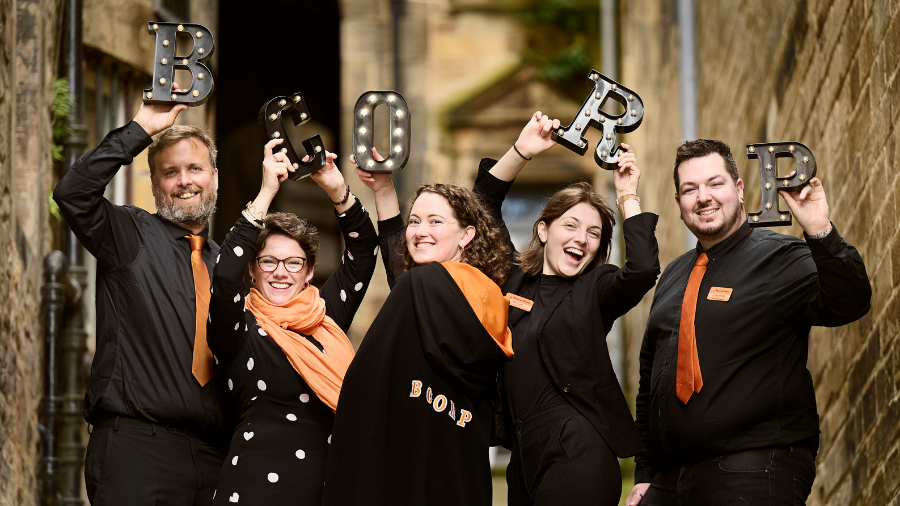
x,y
520,302
721,294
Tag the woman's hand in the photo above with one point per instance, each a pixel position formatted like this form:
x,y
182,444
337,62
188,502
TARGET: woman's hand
x,y
376,182
537,135
276,168
386,204
628,175
329,178
637,493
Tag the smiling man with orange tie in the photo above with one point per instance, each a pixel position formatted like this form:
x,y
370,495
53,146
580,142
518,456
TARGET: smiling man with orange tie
x,y
153,400
726,407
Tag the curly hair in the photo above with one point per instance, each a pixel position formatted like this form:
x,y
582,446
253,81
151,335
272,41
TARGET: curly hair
x,y
531,261
488,251
296,228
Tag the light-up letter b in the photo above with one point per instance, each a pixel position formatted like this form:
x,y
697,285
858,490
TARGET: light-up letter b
x,y
166,62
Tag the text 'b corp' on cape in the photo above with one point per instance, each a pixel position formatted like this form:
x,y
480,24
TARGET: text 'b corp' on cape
x,y
414,417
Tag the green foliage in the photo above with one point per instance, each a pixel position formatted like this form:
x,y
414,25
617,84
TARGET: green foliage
x,y
562,41
59,111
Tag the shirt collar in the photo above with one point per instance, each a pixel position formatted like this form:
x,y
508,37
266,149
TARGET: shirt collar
x,y
725,246
178,232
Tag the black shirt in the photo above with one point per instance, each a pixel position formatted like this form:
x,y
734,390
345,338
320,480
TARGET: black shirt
x,y
527,382
145,297
752,348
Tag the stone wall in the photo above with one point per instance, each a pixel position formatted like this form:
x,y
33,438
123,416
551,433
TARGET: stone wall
x,y
822,73
26,56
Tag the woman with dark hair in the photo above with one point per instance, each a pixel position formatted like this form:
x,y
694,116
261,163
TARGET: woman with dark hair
x,y
561,410
414,424
282,350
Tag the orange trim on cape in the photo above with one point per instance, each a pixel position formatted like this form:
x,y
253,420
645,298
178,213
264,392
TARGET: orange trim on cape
x,y
305,314
487,301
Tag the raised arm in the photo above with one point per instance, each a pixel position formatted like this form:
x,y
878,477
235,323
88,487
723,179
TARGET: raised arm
x,y
623,289
391,229
107,231
345,289
535,138
226,305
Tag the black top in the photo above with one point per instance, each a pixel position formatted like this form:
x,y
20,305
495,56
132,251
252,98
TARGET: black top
x,y
413,423
283,427
572,327
527,382
145,297
753,348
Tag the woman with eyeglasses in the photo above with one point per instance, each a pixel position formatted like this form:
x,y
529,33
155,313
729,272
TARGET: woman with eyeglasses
x,y
281,349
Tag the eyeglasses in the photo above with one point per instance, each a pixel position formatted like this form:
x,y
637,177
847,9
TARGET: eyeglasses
x,y
270,263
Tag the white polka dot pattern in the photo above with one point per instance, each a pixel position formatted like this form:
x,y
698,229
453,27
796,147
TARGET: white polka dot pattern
x,y
248,435
230,384
250,364
253,398
358,286
343,296
300,454
239,251
292,417
237,325
329,439
234,497
234,460
261,332
304,398
349,255
273,477
376,250
261,385
218,257
354,234
237,297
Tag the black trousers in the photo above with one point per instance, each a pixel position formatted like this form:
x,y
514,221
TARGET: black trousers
x,y
769,476
131,462
558,457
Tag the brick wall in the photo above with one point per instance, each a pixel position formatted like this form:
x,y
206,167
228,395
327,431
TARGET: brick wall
x,y
26,50
823,73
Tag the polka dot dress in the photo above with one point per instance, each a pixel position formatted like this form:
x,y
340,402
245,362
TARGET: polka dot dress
x,y
278,451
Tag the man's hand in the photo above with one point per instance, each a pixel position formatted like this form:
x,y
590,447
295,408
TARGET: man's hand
x,y
637,493
536,137
156,118
809,207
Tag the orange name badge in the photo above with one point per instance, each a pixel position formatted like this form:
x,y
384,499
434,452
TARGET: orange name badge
x,y
717,293
520,302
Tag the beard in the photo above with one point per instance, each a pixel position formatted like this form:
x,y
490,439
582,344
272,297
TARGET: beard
x,y
722,230
186,215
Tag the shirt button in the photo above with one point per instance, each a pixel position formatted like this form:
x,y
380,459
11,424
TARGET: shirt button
x,y
667,361
128,131
567,388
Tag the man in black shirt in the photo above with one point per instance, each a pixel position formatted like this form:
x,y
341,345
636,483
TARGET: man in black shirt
x,y
153,400
726,407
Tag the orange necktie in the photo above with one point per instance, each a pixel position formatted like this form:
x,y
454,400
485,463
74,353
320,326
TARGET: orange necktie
x,y
687,378
202,364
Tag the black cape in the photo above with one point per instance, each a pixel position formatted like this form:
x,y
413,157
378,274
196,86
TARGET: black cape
x,y
413,423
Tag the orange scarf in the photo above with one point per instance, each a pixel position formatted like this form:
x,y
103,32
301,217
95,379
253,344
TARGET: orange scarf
x,y
487,301
305,314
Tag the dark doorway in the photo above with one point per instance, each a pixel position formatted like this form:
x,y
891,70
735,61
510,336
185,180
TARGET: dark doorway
x,y
266,49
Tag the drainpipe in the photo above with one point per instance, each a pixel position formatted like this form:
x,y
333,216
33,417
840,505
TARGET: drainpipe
x,y
73,345
609,65
398,10
688,73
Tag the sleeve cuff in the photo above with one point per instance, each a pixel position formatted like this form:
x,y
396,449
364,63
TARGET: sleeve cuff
x,y
132,137
830,245
350,213
390,226
488,181
643,220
